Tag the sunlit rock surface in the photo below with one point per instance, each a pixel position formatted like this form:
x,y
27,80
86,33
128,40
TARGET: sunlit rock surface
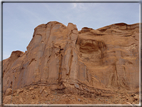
x,y
88,60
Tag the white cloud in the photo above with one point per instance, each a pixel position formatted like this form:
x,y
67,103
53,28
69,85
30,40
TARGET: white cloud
x,y
78,6
74,5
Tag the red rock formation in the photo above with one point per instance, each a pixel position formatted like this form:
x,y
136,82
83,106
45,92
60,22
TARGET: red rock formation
x,y
64,58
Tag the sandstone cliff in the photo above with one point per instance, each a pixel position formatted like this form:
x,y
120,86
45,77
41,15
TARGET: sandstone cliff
x,y
88,61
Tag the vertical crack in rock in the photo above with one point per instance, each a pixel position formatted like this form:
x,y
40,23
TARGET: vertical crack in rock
x,y
70,62
60,65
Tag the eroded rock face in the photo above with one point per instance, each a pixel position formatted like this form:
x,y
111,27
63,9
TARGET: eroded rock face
x,y
111,54
63,57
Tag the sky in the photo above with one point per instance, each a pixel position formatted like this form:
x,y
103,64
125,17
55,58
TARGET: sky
x,y
20,19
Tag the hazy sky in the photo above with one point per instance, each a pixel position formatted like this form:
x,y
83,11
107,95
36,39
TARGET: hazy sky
x,y
20,19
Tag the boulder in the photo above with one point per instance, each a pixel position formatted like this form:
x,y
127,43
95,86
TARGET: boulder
x,y
8,91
